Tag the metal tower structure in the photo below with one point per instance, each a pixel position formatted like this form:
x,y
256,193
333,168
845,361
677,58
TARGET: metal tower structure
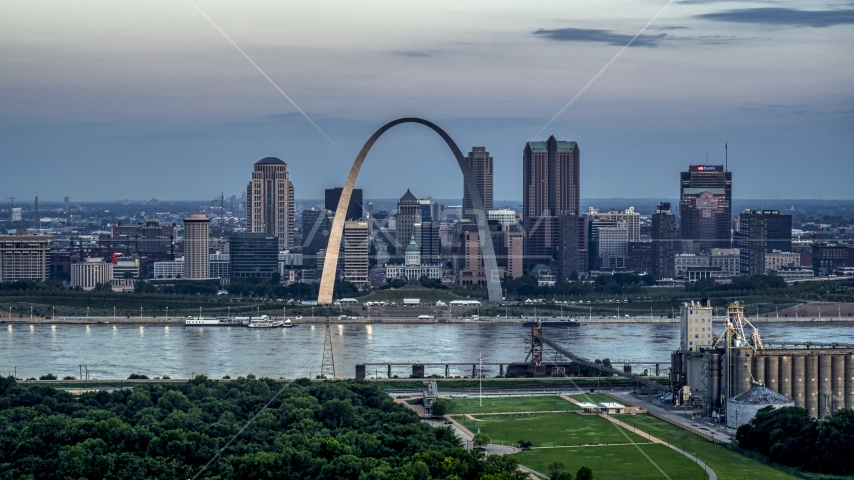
x,y
327,367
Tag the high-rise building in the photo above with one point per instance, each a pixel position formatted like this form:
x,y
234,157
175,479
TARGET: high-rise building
x,y
542,241
756,231
254,255
480,164
270,201
428,241
550,178
315,234
24,257
90,272
705,206
197,246
572,246
356,245
354,208
408,214
663,241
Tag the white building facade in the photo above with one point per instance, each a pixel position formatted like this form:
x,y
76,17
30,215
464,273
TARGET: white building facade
x,y
90,272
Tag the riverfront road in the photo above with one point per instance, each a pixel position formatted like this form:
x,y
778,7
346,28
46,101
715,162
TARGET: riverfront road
x,y
403,320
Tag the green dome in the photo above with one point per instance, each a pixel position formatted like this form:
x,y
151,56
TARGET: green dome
x,y
412,247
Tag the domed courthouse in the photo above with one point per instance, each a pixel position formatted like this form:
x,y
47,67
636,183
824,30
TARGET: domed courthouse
x,y
412,267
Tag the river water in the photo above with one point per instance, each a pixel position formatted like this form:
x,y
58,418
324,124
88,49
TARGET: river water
x,y
116,351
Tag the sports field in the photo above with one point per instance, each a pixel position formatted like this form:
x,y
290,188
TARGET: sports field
x,y
725,463
594,398
618,462
509,404
550,429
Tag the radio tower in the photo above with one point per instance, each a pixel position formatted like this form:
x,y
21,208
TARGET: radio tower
x,y
327,367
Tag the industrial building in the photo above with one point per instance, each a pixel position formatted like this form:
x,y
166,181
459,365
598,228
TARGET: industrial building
x,y
816,377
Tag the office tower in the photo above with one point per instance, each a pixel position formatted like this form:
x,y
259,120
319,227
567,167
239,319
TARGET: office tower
x,y
504,216
430,210
627,218
408,214
550,178
542,241
37,220
90,272
315,234
480,164
640,257
428,241
705,206
270,201
65,204
356,245
572,246
254,255
354,209
24,257
468,257
197,246
663,241
755,233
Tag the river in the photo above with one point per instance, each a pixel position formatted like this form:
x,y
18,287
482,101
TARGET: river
x,y
116,351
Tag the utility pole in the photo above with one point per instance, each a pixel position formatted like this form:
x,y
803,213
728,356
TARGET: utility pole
x,y
328,362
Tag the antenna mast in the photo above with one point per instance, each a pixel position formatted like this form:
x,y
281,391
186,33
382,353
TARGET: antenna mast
x,y
726,157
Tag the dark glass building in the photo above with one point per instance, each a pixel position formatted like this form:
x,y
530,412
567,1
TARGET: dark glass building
x,y
354,209
705,206
254,255
663,242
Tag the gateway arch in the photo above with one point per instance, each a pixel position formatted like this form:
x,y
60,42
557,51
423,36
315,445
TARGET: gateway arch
x,y
327,281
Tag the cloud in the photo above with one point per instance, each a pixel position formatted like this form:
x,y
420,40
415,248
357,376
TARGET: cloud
x,y
784,16
598,36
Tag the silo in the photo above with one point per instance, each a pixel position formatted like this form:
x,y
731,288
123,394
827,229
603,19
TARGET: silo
x,y
758,369
838,383
849,381
824,401
743,367
811,385
772,373
798,380
715,383
786,376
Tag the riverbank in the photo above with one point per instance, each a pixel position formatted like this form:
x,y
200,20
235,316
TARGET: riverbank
x,y
178,321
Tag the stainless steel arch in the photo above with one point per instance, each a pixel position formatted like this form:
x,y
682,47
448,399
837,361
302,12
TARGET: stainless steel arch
x,y
327,281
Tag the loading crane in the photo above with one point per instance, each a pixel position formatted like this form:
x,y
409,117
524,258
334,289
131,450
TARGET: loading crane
x,y
598,366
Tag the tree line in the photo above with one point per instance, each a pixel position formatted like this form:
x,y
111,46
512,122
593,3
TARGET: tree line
x,y
789,436
313,430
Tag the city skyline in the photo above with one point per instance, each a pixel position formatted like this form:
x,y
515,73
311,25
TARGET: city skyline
x,y
103,96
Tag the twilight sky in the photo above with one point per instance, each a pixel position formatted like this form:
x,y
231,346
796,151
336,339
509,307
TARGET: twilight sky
x,y
116,99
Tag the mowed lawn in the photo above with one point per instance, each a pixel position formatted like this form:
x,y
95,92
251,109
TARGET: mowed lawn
x,y
509,404
618,462
725,463
550,429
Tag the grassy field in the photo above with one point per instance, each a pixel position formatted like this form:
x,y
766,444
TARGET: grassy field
x,y
509,404
726,463
618,462
569,383
550,429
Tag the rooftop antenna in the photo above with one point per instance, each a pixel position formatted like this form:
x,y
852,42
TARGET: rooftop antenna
x,y
221,216
726,157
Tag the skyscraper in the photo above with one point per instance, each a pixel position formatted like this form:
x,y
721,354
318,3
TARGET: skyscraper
x,y
354,209
663,241
758,232
254,255
480,164
315,234
408,214
428,241
356,245
550,178
197,246
270,201
705,206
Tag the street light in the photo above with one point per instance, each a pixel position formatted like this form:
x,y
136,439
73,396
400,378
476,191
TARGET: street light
x,y
140,312
114,313
167,313
87,312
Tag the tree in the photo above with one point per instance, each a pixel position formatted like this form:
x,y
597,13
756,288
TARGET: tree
x,y
557,471
525,444
481,440
439,407
584,473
